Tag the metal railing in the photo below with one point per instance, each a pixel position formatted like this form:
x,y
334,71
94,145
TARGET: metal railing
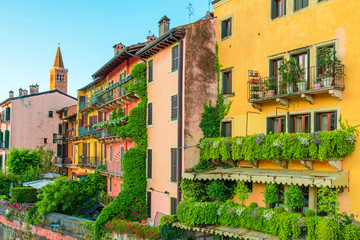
x,y
90,161
114,167
71,133
86,130
68,161
113,92
83,105
310,80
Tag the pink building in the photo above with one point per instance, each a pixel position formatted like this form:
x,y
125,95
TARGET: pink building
x,y
30,120
181,78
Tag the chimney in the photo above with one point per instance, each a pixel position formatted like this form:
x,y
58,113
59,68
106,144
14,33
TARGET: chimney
x,y
20,92
11,94
118,47
150,38
164,25
36,88
25,92
32,89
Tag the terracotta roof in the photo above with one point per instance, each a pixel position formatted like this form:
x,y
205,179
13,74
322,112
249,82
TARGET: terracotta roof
x,y
58,59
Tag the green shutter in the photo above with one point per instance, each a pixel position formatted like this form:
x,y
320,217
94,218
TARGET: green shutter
x,y
223,83
223,29
223,130
59,150
7,137
269,125
273,9
284,7
7,114
298,5
1,136
60,128
309,123
291,124
271,68
305,3
231,26
283,125
336,120
317,122
0,161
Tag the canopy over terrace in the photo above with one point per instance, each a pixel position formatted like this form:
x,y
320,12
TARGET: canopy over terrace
x,y
329,179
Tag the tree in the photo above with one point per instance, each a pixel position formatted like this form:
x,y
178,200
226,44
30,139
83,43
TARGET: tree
x,y
21,159
46,160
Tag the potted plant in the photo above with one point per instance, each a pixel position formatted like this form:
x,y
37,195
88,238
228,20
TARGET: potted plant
x,y
291,73
261,91
253,81
317,82
271,86
330,66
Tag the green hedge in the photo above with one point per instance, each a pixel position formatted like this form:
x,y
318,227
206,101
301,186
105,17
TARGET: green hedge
x,y
121,226
24,194
288,146
285,225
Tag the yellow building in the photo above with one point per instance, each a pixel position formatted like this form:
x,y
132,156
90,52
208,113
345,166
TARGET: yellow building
x,y
254,37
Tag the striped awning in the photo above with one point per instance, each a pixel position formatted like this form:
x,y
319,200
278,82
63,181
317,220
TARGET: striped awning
x,y
279,176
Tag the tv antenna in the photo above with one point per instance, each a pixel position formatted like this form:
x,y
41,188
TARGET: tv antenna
x,y
191,10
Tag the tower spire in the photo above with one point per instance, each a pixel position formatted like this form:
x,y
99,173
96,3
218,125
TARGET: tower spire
x,y
58,58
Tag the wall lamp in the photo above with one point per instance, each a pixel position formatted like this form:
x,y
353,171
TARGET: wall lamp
x,y
152,189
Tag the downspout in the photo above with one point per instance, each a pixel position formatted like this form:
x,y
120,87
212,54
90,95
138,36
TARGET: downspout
x,y
180,119
133,55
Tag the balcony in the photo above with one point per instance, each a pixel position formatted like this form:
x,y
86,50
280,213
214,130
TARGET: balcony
x,y
83,106
58,161
57,138
90,161
105,136
86,130
114,169
68,161
305,86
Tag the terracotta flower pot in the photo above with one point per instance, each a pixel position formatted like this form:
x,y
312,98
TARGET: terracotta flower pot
x,y
271,93
143,222
317,85
261,94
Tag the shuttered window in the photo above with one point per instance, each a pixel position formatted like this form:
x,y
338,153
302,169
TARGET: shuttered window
x,y
173,205
150,114
110,153
122,152
227,82
149,163
150,71
84,149
326,121
174,165
276,125
175,58
7,138
299,4
226,129
226,30
174,108
110,184
299,124
7,118
278,8
148,203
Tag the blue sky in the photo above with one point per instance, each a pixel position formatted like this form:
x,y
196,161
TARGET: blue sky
x,y
86,29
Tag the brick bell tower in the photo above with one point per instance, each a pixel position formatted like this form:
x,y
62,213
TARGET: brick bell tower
x,y
58,74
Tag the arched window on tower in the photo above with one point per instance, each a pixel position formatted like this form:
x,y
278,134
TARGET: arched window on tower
x,y
58,77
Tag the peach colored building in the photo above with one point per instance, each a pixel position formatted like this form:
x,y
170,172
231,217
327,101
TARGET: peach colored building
x,y
181,78
29,120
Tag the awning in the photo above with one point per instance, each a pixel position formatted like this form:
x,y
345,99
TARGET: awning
x,y
37,184
241,233
279,176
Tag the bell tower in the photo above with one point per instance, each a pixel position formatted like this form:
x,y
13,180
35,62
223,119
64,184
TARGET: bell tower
x,y
58,74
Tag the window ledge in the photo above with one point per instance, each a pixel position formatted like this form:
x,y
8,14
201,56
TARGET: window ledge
x,y
227,37
229,95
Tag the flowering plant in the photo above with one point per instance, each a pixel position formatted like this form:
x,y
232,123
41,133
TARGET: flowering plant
x,y
19,206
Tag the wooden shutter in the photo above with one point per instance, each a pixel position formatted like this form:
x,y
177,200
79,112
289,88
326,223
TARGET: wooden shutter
x,y
336,120
273,9
309,123
223,29
122,151
7,138
150,114
174,108
284,7
149,163
1,137
223,129
95,150
269,125
173,203
317,122
60,128
7,114
84,149
174,164
150,72
291,124
148,202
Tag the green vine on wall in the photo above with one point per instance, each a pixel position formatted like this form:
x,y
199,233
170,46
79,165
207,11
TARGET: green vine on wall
x,y
131,201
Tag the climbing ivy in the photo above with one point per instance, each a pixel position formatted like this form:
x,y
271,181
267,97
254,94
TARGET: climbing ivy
x,y
131,201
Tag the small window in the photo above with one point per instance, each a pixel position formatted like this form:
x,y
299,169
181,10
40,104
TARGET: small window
x,y
45,140
173,205
275,125
226,129
150,71
150,114
278,8
325,121
299,4
175,58
174,165
51,114
300,123
226,28
149,163
174,108
227,82
148,202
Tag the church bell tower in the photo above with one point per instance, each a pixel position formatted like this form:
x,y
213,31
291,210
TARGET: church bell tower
x,y
58,74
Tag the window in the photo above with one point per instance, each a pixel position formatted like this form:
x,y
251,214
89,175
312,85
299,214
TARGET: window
x,y
111,153
226,28
149,163
45,140
278,8
174,163
274,72
280,197
227,82
173,206
174,108
226,129
122,152
325,121
150,71
275,125
51,114
320,67
7,111
299,4
299,124
175,58
249,185
150,114
110,184
304,62
148,202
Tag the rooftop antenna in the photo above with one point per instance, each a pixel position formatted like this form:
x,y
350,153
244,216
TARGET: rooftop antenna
x,y
191,10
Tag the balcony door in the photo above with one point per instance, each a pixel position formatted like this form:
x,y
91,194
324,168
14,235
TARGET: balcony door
x,y
274,72
303,60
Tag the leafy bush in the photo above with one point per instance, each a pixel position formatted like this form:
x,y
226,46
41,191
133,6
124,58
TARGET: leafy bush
x,y
4,197
293,197
217,190
195,213
21,159
279,209
270,193
253,205
328,200
31,174
141,231
309,213
352,232
24,194
5,181
242,191
167,231
195,189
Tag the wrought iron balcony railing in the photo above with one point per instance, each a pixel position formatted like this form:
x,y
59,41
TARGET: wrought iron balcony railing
x,y
90,161
114,168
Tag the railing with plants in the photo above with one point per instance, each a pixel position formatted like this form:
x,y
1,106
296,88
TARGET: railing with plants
x,y
114,167
90,161
284,224
86,130
112,122
330,145
112,91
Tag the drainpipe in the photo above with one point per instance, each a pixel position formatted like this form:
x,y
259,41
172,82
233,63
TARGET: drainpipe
x,y
133,55
180,117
